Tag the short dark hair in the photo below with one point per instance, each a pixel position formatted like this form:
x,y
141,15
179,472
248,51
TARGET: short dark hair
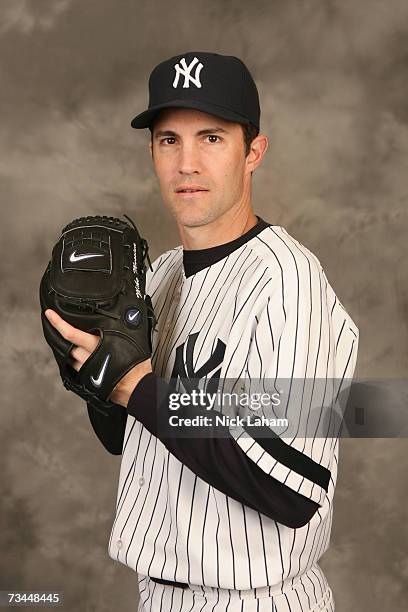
x,y
250,132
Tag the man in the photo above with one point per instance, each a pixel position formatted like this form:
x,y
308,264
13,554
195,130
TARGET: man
x,y
236,521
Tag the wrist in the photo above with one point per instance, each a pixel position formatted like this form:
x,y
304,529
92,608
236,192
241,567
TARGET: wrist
x,y
127,385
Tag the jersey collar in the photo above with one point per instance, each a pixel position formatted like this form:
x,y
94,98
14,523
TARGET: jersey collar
x,y
198,259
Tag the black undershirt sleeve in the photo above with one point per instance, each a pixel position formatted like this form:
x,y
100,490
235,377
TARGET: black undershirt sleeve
x,y
110,429
220,461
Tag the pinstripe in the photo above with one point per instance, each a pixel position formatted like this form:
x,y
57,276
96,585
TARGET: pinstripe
x,y
166,341
176,521
165,514
203,536
189,525
216,540
151,517
232,545
132,508
131,471
118,513
165,314
127,436
215,313
161,525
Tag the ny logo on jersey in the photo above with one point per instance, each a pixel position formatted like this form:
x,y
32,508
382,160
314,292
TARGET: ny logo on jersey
x,y
186,72
185,370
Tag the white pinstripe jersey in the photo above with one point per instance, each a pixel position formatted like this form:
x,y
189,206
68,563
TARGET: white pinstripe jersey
x,y
270,303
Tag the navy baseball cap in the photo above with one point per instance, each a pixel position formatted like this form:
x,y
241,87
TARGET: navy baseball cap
x,y
217,84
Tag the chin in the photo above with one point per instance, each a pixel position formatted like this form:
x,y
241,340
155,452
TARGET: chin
x,y
192,220
190,215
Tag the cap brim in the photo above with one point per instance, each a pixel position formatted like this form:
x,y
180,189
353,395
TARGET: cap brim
x,y
145,119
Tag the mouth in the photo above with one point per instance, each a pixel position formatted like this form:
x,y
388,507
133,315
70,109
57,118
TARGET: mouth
x,y
185,194
190,190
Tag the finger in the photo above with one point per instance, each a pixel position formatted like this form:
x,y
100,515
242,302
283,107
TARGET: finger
x,y
76,365
71,333
80,354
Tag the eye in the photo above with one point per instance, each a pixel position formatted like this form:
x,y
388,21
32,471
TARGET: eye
x,y
213,136
167,138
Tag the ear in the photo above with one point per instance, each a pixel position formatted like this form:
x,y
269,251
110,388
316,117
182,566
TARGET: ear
x,y
257,151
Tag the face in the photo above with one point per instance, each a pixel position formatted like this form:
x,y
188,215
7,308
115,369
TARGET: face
x,y
195,150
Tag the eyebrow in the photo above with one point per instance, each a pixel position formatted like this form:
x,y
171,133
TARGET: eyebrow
x,y
204,132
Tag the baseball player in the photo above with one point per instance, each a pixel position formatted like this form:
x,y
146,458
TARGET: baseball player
x,y
237,521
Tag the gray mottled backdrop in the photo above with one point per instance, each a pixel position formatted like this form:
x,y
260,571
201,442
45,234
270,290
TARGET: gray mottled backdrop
x,y
333,82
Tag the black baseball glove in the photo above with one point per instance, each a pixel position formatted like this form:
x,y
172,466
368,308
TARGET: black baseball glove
x,y
96,281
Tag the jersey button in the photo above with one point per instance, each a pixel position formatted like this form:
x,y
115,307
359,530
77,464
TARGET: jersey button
x,y
141,481
119,543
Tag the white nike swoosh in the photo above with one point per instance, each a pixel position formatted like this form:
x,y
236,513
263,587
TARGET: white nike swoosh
x,y
133,316
74,257
98,381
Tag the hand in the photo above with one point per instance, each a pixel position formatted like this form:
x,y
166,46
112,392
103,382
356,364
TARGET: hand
x,y
85,344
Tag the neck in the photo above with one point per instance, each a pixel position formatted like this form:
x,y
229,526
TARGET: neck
x,y
226,228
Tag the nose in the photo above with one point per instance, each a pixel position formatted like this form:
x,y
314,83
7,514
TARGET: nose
x,y
189,159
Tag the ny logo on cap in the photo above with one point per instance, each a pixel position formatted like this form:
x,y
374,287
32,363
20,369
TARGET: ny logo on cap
x,y
186,72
